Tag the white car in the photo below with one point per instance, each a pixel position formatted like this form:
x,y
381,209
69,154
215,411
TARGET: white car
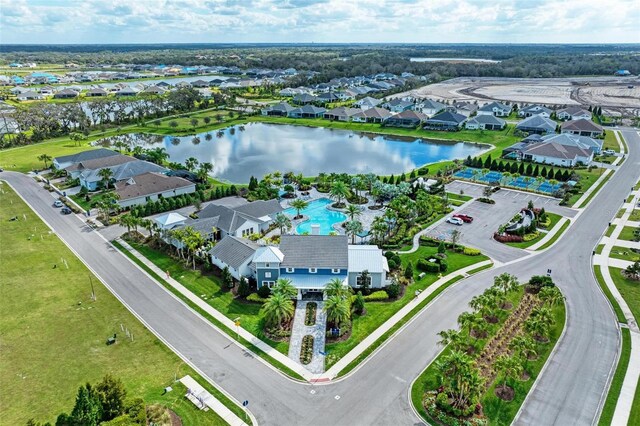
x,y
455,221
609,152
57,203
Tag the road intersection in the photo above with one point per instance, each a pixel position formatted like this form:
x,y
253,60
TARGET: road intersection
x,y
570,391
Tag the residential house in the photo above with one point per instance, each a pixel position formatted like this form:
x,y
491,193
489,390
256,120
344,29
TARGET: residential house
x,y
307,111
574,140
155,90
430,107
96,92
90,178
398,105
340,113
446,120
29,95
236,254
282,109
127,91
582,127
151,186
537,124
372,115
573,113
65,161
328,97
407,118
465,108
530,110
485,122
76,169
495,108
558,154
368,102
304,98
66,94
244,220
199,84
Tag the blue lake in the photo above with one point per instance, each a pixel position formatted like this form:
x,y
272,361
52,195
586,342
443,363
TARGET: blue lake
x,y
263,148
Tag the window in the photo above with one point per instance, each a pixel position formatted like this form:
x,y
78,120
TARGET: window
x,y
313,270
267,274
359,280
291,270
335,271
268,283
266,265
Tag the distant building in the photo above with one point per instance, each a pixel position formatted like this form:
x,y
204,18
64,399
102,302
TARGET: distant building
x,y
582,127
446,120
151,186
530,110
537,124
485,122
495,108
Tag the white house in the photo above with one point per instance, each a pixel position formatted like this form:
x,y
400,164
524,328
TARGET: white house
x,y
558,154
495,108
573,113
147,187
236,254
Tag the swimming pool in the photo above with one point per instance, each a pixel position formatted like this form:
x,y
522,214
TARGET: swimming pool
x,y
318,214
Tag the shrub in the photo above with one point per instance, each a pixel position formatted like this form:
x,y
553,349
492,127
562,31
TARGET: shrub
x,y
392,264
443,265
377,296
537,282
264,291
408,271
393,290
255,297
531,236
306,351
243,288
358,303
425,265
441,248
471,251
486,200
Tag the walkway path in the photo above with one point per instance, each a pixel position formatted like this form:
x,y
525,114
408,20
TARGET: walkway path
x,y
199,395
318,331
549,235
625,400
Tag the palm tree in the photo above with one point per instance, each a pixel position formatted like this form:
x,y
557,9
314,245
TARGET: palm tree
x,y
339,192
336,287
524,346
551,296
506,282
285,287
299,204
277,309
193,241
283,222
191,163
354,228
460,379
379,229
203,170
149,225
469,321
353,212
451,337
337,310
105,174
128,221
44,158
537,328
509,367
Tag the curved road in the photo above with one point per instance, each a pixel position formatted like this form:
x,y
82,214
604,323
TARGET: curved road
x,y
569,391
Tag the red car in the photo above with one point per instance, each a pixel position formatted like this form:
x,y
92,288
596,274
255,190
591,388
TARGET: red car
x,y
464,218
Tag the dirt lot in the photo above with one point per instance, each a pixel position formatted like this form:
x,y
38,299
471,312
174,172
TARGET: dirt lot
x,y
611,93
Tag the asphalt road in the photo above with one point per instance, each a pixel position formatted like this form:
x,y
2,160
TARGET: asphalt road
x,y
569,392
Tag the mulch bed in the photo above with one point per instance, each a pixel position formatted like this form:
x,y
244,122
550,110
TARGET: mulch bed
x,y
505,393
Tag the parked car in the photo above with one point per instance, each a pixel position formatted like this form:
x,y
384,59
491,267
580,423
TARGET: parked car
x,y
66,210
57,203
609,152
455,221
465,218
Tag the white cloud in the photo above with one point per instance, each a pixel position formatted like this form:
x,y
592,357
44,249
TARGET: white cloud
x,y
420,21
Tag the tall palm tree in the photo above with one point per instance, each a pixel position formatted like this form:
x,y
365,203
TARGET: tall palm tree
x,y
353,211
283,222
339,192
128,221
44,158
204,169
469,321
551,296
277,309
354,228
191,163
460,379
336,287
337,310
379,229
524,346
285,286
506,282
509,367
451,337
299,204
106,174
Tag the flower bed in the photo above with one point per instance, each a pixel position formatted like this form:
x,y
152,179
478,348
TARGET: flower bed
x,y
507,238
310,314
443,417
306,351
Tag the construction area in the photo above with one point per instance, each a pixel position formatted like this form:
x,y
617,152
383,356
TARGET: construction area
x,y
618,96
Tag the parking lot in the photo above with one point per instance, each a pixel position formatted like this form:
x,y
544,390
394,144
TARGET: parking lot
x,y
488,217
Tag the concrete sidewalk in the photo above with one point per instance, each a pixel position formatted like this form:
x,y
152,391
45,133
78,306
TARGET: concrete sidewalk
x,y
201,396
625,400
318,331
549,235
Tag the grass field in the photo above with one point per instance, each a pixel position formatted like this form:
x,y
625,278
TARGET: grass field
x,y
630,290
635,215
616,382
499,412
627,233
616,307
378,312
555,236
587,179
624,253
610,142
53,335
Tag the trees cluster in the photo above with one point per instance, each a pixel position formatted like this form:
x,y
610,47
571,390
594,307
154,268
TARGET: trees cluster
x,y
101,403
520,169
179,201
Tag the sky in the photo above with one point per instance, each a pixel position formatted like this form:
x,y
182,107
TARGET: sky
x,y
319,21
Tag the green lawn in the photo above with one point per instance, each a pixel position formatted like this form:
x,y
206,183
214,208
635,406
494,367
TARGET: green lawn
x,y
635,215
499,412
53,335
624,253
605,289
629,289
524,244
610,142
460,197
209,286
378,312
620,213
555,236
616,383
630,198
610,229
634,417
627,233
599,248
587,179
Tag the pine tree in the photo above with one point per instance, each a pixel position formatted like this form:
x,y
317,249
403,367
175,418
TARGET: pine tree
x,y
88,409
558,175
543,173
529,170
566,175
243,288
514,167
536,171
487,162
521,169
494,165
112,394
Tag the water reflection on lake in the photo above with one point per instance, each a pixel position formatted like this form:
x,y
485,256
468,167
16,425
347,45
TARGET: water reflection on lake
x,y
260,148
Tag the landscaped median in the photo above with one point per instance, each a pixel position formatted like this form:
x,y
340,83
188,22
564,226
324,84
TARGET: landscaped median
x,y
487,368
